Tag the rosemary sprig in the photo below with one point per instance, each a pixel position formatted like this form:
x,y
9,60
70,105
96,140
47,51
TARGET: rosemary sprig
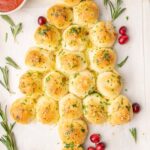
x,y
115,8
11,62
106,2
5,74
8,139
15,29
133,132
6,37
8,20
122,62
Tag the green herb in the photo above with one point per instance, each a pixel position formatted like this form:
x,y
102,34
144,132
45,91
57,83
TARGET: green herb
x,y
126,90
115,8
127,17
5,74
8,139
74,105
11,62
128,108
8,20
106,2
123,62
133,132
48,78
106,56
83,130
71,145
6,37
15,29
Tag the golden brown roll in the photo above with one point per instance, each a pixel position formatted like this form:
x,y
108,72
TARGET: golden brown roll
x,y
120,111
40,59
60,16
109,84
75,38
70,62
70,107
23,110
86,13
55,85
82,83
31,82
72,131
47,110
102,59
95,108
103,34
48,37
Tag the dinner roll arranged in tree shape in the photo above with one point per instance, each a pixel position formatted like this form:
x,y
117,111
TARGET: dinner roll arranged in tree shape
x,y
75,38
55,85
102,59
70,62
109,84
70,107
120,111
86,13
82,83
72,131
23,110
60,16
31,82
48,37
73,79
103,34
47,110
40,59
95,108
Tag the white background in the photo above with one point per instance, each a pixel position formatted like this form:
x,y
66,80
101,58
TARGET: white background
x,y
136,75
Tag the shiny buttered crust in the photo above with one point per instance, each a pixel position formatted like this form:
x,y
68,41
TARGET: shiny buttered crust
x,y
120,111
40,59
75,38
23,110
70,62
102,59
70,107
60,16
71,3
72,131
103,34
109,84
86,13
82,83
48,37
72,147
47,110
31,82
95,109
55,85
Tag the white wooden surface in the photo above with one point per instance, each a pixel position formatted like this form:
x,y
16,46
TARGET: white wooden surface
x,y
136,75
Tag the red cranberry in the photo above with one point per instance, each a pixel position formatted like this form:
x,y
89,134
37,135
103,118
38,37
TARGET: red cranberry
x,y
136,107
100,146
95,138
42,20
91,148
123,30
123,39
